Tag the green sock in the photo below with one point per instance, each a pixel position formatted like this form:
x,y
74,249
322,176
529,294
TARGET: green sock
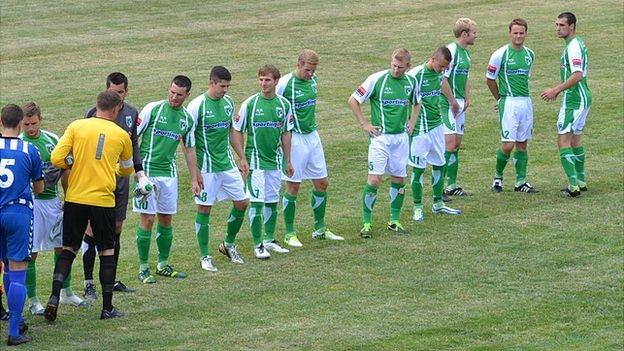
x,y
234,223
270,221
501,162
567,161
164,240
579,154
289,204
417,185
202,230
452,165
319,202
67,281
143,241
397,195
369,196
522,160
255,222
31,280
437,183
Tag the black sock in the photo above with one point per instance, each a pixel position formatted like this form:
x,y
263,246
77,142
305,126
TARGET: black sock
x,y
88,257
107,280
117,238
61,270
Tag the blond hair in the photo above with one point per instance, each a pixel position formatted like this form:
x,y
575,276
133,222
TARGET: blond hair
x,y
402,55
308,56
462,25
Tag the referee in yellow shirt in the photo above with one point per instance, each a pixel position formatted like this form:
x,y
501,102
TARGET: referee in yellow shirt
x,y
95,149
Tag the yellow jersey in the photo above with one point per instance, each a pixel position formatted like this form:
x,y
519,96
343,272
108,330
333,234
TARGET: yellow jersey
x,y
100,149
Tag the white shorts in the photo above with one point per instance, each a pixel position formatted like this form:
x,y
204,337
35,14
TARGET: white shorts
x,y
453,124
307,157
163,200
427,148
387,153
571,121
221,186
516,118
264,186
48,225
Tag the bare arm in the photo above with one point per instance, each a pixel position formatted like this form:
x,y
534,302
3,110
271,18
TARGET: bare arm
x,y
552,93
491,83
286,138
446,90
237,140
411,123
38,186
359,116
191,163
467,96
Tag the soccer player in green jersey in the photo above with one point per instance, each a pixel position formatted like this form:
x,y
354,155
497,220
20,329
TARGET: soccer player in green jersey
x,y
512,65
266,119
212,113
577,99
48,211
301,89
426,143
162,125
456,99
391,93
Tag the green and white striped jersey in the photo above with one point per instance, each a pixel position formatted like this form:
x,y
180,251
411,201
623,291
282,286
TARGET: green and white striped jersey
x,y
428,91
302,95
391,100
45,143
264,121
575,59
161,127
457,73
212,120
513,69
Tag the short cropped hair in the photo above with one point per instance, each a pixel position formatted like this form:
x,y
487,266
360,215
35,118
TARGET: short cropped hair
x,y
12,115
444,52
182,82
108,101
570,18
308,56
219,73
519,22
117,78
269,69
402,54
462,25
31,109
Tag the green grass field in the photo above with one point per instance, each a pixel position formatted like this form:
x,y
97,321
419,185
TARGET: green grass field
x,y
514,272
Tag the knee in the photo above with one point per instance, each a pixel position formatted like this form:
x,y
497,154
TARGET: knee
x,y
147,221
293,188
164,220
321,184
241,205
374,180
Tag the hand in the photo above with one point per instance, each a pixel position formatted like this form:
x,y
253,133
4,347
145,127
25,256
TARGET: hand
x,y
243,168
290,171
195,187
200,181
466,104
370,129
455,107
549,94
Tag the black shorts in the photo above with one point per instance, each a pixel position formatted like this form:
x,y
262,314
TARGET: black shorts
x,y
122,190
75,218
